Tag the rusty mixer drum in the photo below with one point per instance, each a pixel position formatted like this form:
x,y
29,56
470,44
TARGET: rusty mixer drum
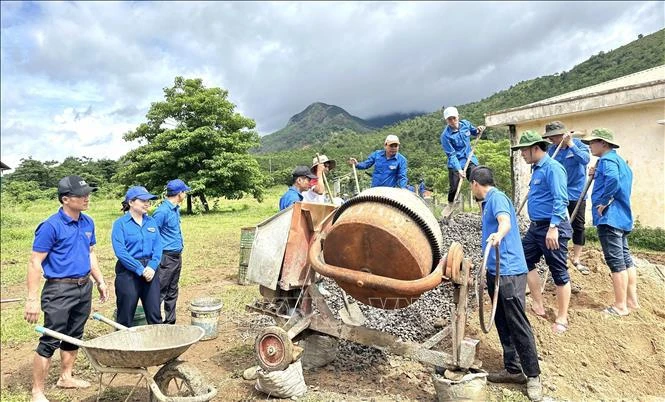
x,y
388,233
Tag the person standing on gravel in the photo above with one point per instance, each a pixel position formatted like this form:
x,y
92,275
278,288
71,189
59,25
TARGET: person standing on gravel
x,y
456,143
612,216
167,216
549,231
574,156
500,229
389,165
63,249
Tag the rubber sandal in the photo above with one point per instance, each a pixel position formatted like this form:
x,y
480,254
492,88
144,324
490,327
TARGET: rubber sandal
x,y
544,316
559,328
583,270
612,312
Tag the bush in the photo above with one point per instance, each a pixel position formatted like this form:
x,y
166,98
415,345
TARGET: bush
x,y
25,191
641,237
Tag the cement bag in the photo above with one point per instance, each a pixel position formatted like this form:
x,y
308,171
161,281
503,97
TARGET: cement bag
x,y
470,388
319,351
282,384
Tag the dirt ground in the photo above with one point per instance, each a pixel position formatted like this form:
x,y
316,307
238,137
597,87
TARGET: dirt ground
x,y
596,359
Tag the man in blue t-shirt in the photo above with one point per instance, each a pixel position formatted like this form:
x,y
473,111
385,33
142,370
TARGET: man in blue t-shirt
x,y
574,156
549,231
389,165
300,181
613,217
64,250
500,228
167,216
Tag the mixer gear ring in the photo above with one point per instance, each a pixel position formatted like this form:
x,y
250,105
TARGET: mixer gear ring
x,y
274,349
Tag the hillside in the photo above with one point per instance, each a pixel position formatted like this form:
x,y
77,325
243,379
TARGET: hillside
x,y
312,126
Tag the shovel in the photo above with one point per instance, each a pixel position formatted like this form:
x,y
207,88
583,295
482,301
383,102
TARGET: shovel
x,y
355,176
351,313
449,209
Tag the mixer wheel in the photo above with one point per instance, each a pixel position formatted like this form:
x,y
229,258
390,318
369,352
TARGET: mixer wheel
x,y
274,349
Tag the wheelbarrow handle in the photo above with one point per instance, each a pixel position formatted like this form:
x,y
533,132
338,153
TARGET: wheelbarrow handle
x,y
58,335
107,321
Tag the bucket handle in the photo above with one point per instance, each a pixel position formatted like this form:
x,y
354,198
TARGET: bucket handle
x,y
370,281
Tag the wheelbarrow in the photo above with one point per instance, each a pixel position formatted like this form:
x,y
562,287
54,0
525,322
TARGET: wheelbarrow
x,y
133,350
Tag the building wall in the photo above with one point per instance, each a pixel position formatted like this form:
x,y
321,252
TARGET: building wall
x,y
642,141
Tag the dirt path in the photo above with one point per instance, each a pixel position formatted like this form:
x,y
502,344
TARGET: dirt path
x,y
597,358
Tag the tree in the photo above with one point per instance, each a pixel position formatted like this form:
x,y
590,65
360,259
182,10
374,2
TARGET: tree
x,y
195,135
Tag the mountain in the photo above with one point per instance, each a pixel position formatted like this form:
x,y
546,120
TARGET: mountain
x,y
313,126
390,119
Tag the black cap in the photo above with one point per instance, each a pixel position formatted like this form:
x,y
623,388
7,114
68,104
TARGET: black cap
x,y
303,171
74,185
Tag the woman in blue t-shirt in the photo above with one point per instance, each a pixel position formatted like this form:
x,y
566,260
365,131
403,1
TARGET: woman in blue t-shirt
x,y
138,247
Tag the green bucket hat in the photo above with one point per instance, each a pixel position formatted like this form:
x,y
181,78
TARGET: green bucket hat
x,y
604,134
554,128
529,138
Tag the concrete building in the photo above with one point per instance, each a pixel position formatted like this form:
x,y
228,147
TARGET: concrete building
x,y
632,106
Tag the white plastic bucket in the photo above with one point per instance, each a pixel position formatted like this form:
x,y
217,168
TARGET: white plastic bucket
x,y
205,314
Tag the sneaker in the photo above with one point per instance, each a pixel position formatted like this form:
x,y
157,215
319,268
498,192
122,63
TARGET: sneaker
x,y
534,389
504,377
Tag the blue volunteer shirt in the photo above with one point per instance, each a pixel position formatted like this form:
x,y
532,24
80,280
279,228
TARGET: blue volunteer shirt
x,y
548,196
511,253
67,242
612,185
289,198
167,216
388,172
132,242
457,144
575,160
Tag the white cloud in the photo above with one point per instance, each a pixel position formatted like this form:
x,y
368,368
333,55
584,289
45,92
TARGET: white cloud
x,y
114,58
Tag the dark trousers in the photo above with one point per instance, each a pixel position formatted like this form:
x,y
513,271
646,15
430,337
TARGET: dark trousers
x,y
129,288
578,222
515,333
534,247
66,308
169,275
453,179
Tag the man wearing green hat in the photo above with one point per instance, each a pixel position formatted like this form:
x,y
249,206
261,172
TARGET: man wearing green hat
x,y
611,213
549,230
574,156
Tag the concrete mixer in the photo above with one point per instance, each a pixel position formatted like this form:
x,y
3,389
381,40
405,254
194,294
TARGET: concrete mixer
x,y
383,247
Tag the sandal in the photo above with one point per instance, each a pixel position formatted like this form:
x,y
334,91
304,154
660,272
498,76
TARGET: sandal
x,y
583,270
559,328
612,312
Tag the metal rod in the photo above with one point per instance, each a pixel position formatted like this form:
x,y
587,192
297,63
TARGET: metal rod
x,y
107,321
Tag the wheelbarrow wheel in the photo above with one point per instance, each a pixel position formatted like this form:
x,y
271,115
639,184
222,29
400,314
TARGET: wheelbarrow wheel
x,y
274,349
179,379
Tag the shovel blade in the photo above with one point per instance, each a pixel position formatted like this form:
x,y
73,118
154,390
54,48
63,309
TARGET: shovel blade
x,y
447,213
352,315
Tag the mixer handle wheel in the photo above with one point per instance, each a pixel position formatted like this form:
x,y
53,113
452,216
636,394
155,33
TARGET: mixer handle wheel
x,y
274,349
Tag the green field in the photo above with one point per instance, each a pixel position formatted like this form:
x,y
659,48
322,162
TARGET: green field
x,y
211,241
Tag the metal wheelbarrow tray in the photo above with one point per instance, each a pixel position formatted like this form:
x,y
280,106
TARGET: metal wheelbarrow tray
x,y
133,350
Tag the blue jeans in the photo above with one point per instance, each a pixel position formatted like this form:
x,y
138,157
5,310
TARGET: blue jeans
x,y
614,243
534,247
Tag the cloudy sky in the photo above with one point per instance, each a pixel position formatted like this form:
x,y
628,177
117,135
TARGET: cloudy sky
x,y
76,76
